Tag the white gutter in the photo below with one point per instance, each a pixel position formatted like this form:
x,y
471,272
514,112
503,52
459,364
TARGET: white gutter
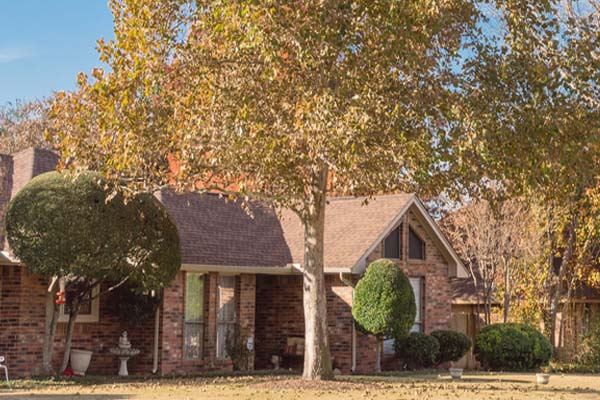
x,y
156,339
7,259
354,340
289,269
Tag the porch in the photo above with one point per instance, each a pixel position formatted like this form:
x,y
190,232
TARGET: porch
x,y
280,317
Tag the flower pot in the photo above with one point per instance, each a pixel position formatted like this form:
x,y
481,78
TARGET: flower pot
x,y
456,373
542,379
80,361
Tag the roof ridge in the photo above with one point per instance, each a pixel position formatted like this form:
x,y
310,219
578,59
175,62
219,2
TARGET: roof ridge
x,y
386,195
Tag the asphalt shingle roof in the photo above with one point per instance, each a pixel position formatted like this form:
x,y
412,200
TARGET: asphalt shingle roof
x,y
214,231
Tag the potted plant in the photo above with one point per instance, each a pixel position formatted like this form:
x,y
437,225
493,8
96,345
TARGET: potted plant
x,y
80,361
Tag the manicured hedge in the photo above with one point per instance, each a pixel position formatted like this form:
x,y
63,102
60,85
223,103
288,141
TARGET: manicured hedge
x,y
418,350
515,347
384,303
453,345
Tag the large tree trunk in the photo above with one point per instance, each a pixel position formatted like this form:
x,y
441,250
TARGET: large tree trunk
x,y
52,313
317,359
69,336
558,282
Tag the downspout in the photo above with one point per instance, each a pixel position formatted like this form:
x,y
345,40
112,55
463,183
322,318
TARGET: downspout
x,y
156,339
353,368
347,280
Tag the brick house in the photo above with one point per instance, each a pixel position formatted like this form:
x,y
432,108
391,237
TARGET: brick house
x,y
238,270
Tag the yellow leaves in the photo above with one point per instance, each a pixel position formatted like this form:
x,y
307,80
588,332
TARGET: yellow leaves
x,y
81,79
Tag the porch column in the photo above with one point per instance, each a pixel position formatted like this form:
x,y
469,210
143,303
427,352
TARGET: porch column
x,y
171,330
248,310
211,331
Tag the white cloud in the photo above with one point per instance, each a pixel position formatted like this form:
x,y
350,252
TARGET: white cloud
x,y
10,55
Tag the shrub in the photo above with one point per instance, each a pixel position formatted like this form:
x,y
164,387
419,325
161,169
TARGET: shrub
x,y
384,303
512,347
235,346
589,353
418,350
453,345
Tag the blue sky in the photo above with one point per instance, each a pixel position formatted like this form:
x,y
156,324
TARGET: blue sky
x,y
45,43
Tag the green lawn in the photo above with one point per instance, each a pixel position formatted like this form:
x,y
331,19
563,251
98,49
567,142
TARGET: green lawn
x,y
404,386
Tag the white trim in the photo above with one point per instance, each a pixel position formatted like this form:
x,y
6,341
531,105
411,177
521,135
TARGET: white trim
x,y
7,259
461,270
290,269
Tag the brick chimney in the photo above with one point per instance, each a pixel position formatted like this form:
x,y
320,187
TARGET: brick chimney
x,y
18,169
29,163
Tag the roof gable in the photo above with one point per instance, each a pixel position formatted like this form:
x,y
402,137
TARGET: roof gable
x,y
433,230
351,228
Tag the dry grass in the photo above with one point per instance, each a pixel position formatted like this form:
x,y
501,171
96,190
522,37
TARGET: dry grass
x,y
408,386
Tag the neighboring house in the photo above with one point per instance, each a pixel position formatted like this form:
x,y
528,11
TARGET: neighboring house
x,y
240,270
576,319
467,315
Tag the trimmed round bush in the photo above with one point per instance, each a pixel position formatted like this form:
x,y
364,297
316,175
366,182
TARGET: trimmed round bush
x,y
453,345
384,303
515,347
418,350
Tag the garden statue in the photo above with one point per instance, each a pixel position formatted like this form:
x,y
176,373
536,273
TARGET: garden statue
x,y
124,342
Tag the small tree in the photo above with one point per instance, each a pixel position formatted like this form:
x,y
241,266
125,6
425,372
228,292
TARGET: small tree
x,y
384,303
22,125
68,229
493,239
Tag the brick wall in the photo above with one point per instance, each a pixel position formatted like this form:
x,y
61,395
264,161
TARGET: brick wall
x,y
22,318
247,309
22,313
279,314
437,294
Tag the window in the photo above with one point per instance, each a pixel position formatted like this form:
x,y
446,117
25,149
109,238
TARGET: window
x,y
226,317
416,246
89,309
194,316
391,245
416,284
